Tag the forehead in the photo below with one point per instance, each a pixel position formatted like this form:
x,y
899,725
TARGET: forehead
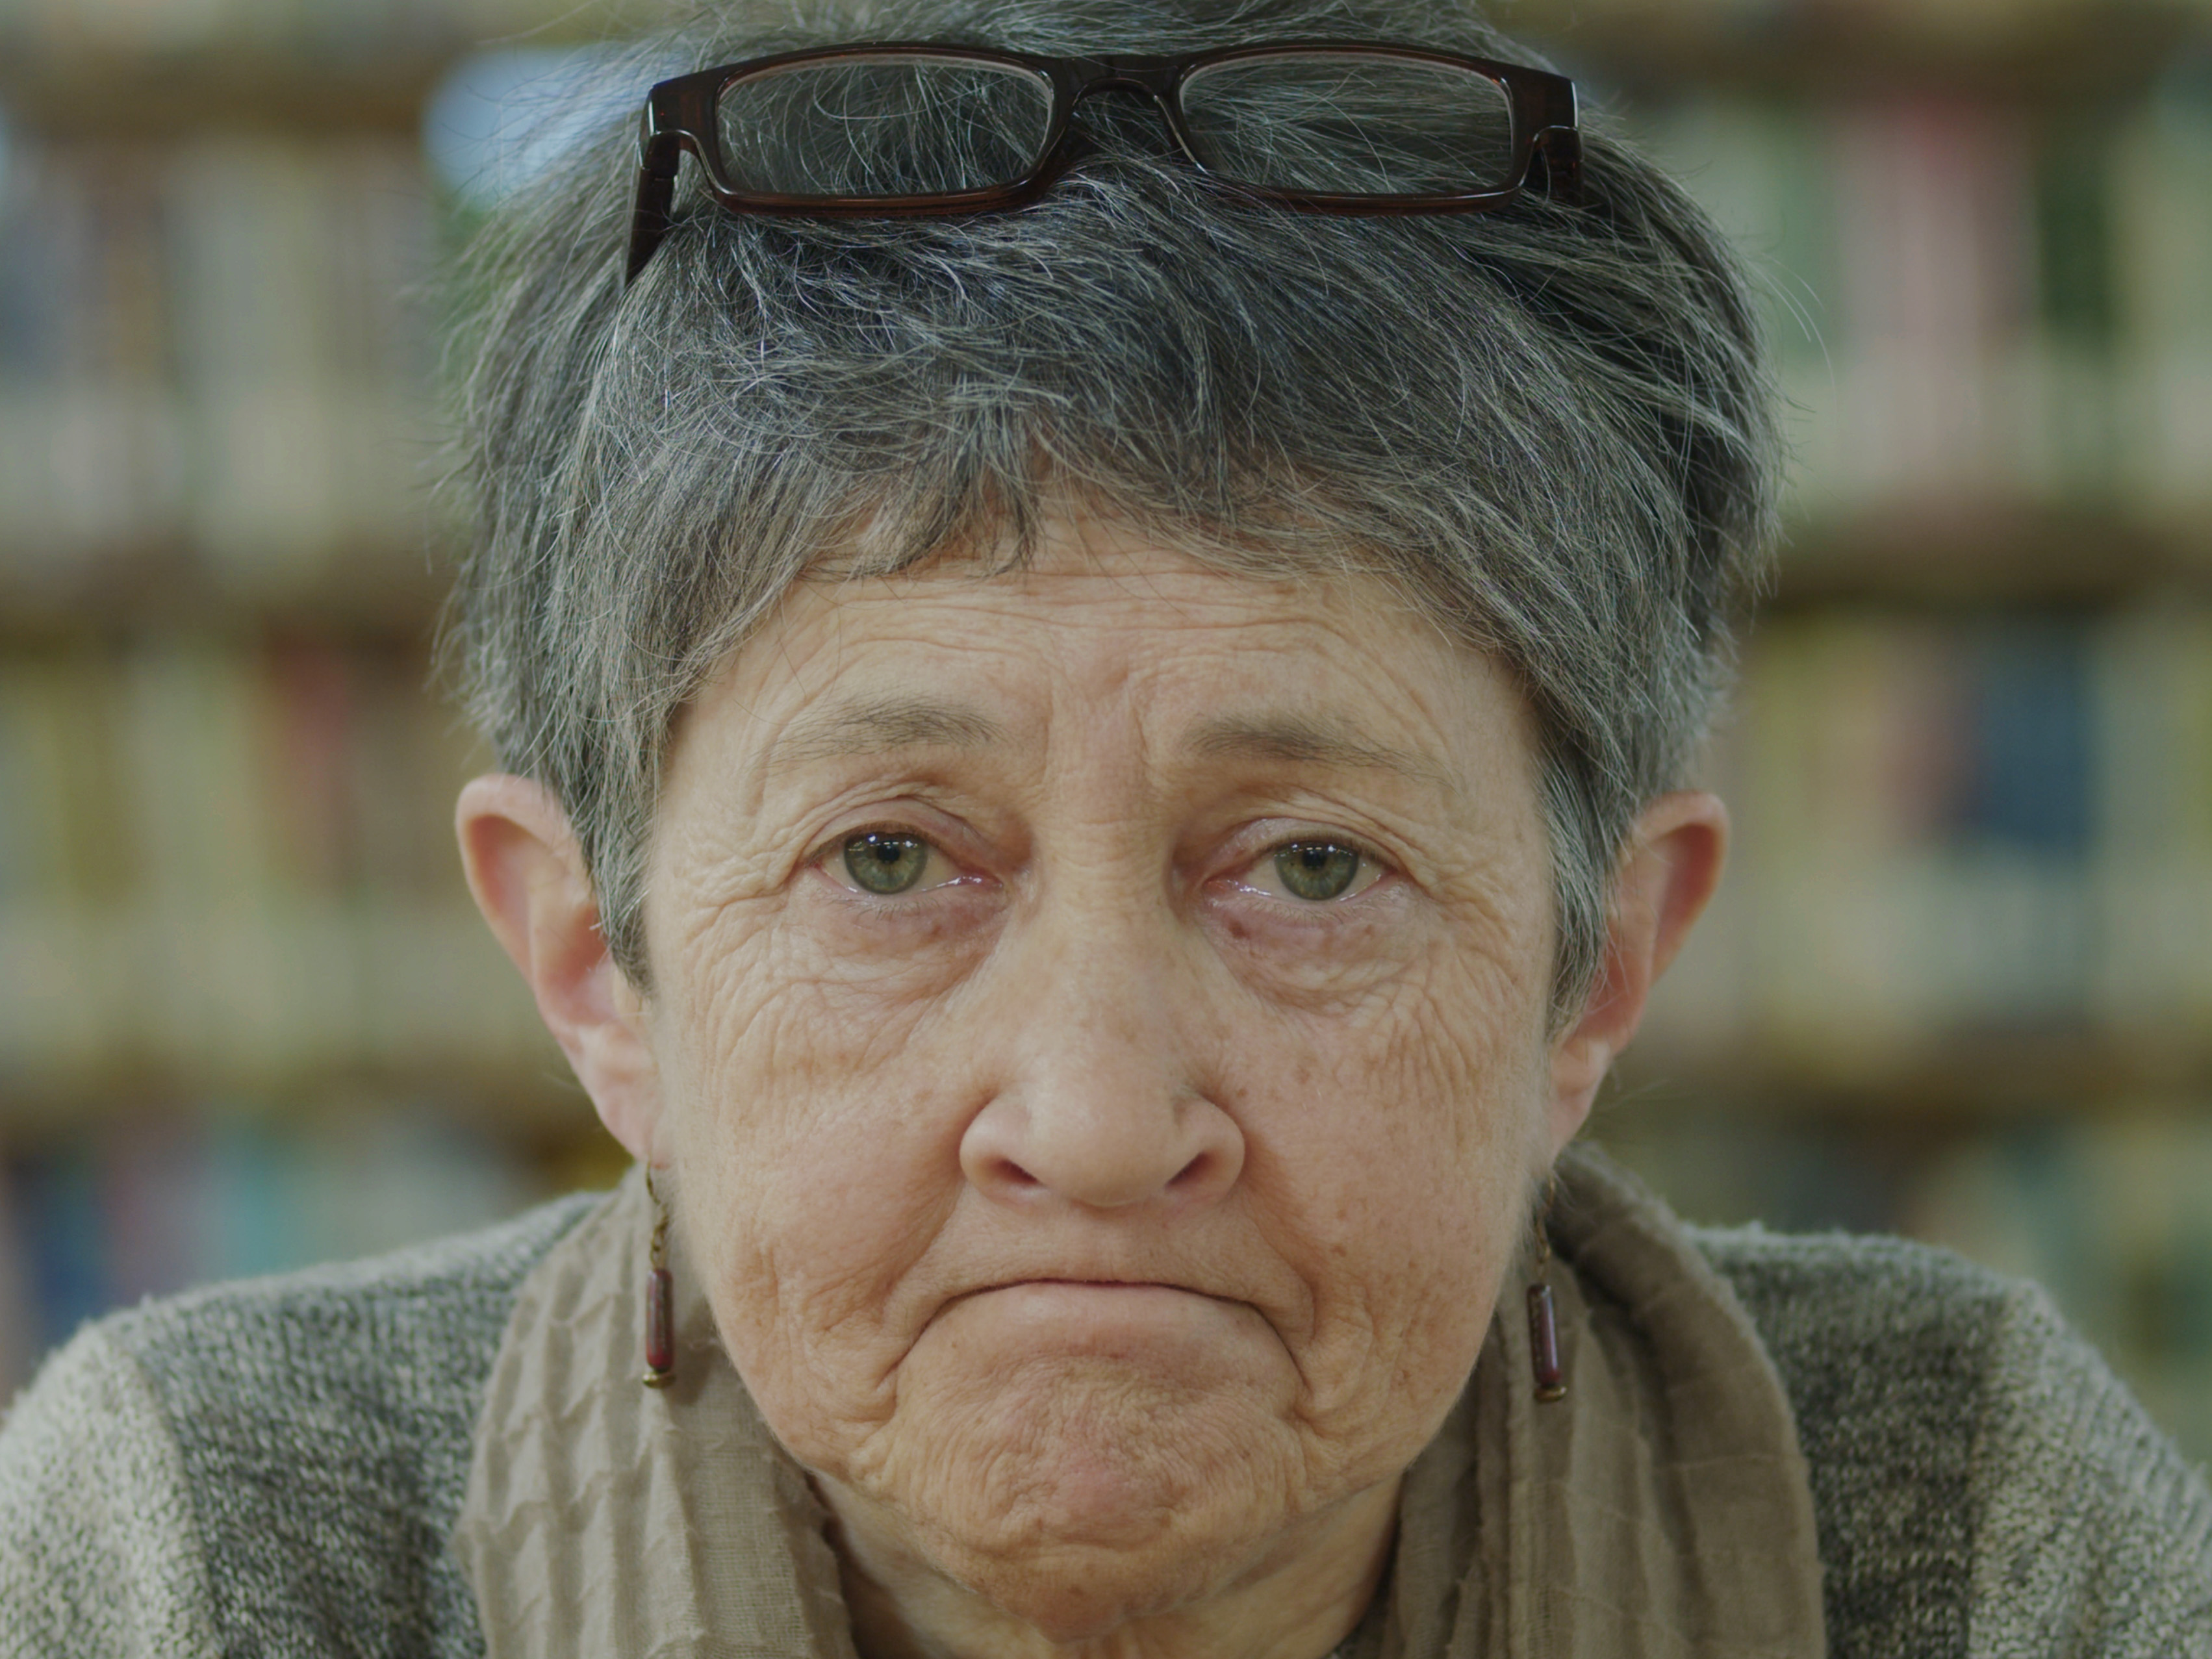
x,y
1105,628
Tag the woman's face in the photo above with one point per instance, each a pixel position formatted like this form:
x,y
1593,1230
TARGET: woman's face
x,y
1099,1019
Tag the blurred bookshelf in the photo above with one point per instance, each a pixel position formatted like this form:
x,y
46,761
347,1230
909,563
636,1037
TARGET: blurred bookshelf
x,y
248,1018
1959,982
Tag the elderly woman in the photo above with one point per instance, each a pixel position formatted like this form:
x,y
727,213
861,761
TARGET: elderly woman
x,y
1095,632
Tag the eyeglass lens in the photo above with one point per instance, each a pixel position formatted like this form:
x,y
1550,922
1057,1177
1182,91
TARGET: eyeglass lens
x,y
1321,123
884,126
1332,124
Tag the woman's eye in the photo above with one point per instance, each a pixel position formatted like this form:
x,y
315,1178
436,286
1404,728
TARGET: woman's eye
x,y
886,864
1319,871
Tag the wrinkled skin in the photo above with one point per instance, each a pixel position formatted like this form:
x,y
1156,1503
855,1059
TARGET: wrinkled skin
x,y
1105,1220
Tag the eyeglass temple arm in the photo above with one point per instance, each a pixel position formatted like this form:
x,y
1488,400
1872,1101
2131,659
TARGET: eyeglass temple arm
x,y
658,155
1562,150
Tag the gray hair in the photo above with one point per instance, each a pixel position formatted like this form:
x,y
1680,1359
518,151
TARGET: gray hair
x,y
1550,427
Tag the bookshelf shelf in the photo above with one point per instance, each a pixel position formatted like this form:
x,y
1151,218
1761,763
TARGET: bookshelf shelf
x,y
1955,557
535,1110
1957,1086
375,595
139,97
2068,54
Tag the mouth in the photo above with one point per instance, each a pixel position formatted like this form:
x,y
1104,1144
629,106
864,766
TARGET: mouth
x,y
1100,1283
1039,1326
1081,1303
1085,1299
1093,1285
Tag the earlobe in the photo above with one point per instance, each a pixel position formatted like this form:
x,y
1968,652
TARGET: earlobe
x,y
1671,868
527,874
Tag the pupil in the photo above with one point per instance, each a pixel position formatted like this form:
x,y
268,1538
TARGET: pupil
x,y
885,864
1316,869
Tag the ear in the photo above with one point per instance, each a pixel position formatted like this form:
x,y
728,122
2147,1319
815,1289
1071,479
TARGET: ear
x,y
527,872
1671,866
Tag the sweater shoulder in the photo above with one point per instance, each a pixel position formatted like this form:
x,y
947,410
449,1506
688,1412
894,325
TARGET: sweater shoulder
x,y
1975,1466
98,1553
323,1420
1866,1319
451,1287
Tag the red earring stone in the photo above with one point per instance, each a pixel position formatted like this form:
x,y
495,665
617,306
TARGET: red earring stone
x,y
1544,1346
1549,1375
659,1300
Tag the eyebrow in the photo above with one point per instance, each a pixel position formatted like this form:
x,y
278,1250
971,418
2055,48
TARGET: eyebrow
x,y
1307,741
877,725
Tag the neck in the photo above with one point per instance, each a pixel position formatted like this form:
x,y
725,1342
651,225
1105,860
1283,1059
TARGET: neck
x,y
1299,1602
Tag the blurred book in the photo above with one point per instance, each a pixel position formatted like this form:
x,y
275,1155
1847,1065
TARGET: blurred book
x,y
234,866
214,354
1973,310
159,1204
1958,827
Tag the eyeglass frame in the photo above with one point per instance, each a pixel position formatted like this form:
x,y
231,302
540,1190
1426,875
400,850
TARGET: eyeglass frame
x,y
680,118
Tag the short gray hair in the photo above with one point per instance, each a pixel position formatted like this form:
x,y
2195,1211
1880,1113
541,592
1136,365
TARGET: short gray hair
x,y
1551,426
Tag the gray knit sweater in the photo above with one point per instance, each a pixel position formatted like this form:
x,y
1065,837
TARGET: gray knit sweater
x,y
275,1467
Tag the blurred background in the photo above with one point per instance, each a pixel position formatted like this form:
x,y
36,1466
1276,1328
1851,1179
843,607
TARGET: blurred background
x,y
1959,983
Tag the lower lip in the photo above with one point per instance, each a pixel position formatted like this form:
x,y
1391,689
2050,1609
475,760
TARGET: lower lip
x,y
1088,1292
1099,1307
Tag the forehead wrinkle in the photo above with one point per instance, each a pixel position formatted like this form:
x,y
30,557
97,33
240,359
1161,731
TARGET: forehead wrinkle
x,y
875,725
1306,740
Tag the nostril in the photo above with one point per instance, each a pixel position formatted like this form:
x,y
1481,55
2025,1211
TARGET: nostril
x,y
1212,1170
1196,1173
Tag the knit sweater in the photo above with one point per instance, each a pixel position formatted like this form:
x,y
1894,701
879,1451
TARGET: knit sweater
x,y
276,1466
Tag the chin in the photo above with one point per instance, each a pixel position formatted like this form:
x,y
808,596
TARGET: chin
x,y
1070,1596
1079,1501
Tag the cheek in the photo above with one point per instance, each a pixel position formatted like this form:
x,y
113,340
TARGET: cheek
x,y
772,1020
1394,1178
1432,1087
816,1164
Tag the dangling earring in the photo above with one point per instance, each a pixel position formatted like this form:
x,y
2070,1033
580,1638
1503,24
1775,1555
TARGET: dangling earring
x,y
660,1287
1543,1320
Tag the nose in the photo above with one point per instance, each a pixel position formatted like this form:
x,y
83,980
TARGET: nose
x,y
1097,1105
1101,1149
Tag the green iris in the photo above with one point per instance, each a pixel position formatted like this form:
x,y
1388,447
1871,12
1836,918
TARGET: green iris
x,y
1317,870
886,864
